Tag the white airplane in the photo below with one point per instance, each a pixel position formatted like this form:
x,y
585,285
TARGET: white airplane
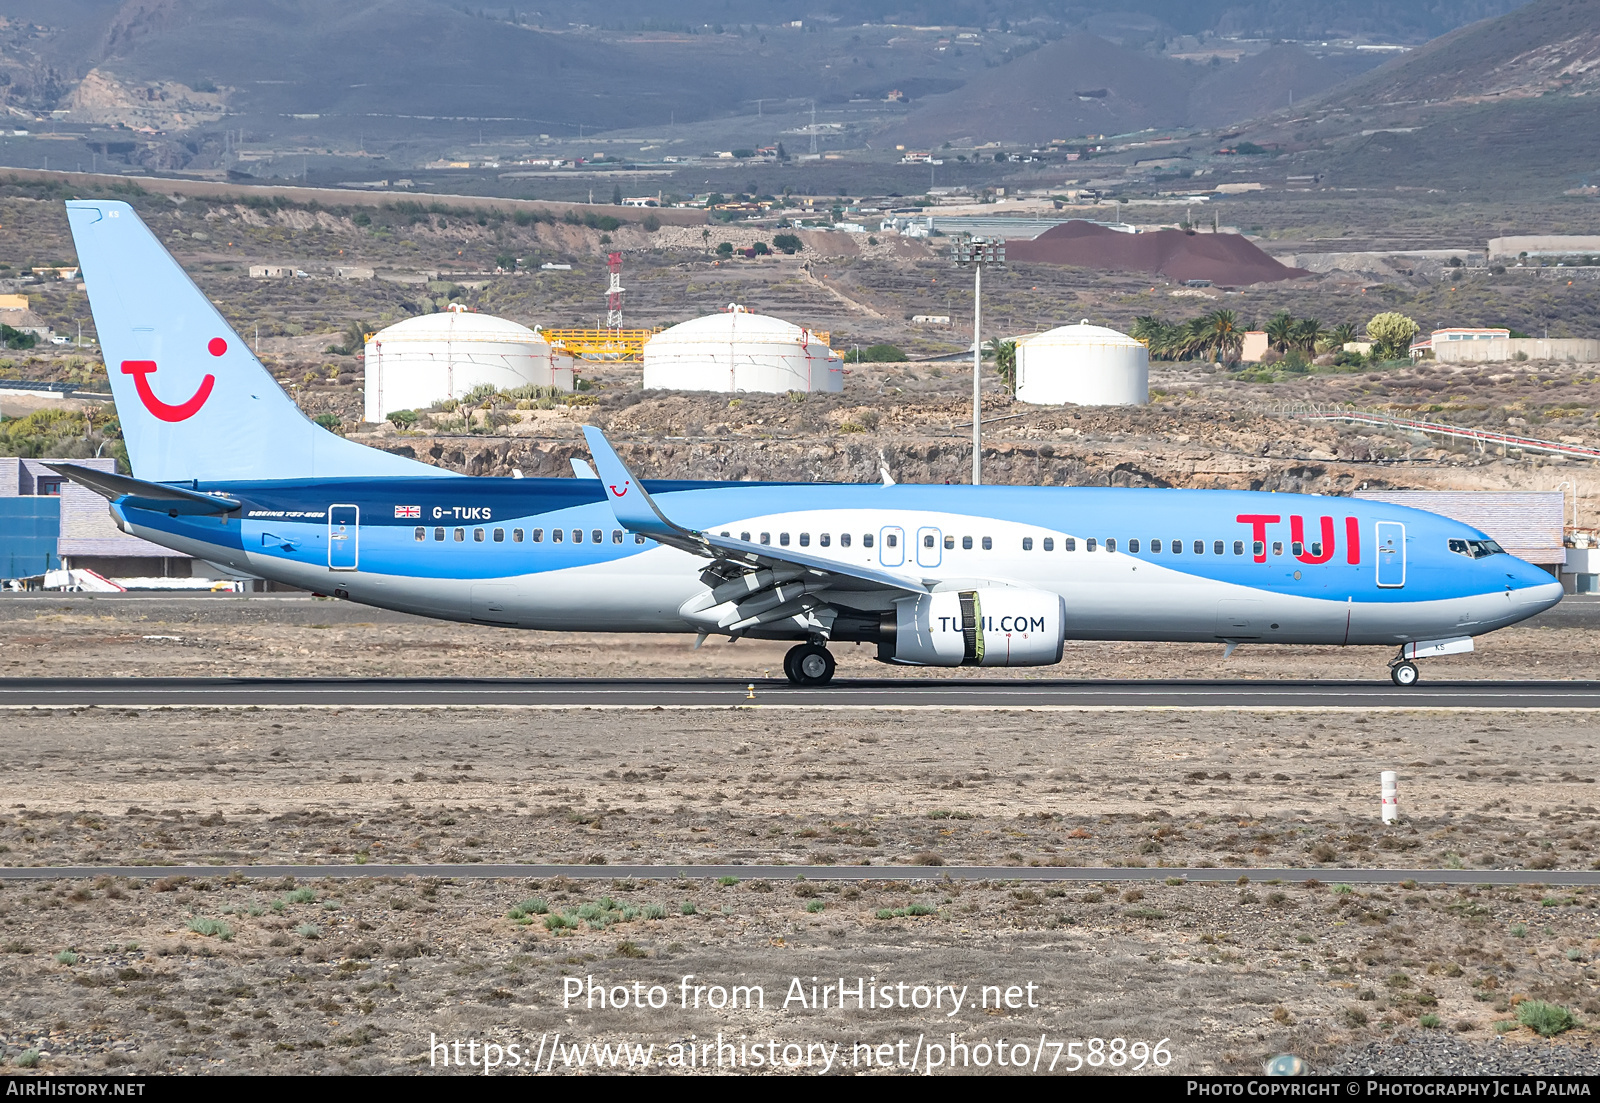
x,y
227,469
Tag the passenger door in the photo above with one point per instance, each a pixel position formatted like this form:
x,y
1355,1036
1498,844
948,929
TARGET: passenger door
x,y
929,547
891,546
344,528
1391,554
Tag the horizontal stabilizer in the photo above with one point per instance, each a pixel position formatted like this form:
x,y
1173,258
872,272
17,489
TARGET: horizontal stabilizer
x,y
143,495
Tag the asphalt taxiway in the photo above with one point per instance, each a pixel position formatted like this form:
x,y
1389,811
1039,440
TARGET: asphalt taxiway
x,y
843,693
667,872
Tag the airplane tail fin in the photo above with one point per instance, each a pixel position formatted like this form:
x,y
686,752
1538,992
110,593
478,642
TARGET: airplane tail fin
x,y
194,402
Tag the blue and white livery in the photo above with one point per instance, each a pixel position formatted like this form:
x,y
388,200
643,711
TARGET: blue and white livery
x,y
227,469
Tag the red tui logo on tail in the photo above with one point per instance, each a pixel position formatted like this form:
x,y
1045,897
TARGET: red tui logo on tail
x,y
623,493
183,411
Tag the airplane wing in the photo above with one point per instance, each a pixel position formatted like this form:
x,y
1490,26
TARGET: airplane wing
x,y
139,494
636,511
748,585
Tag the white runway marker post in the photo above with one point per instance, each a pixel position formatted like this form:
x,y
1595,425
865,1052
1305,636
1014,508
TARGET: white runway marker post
x,y
1391,796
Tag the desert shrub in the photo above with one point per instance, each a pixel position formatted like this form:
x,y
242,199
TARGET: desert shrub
x,y
875,354
211,928
1543,1017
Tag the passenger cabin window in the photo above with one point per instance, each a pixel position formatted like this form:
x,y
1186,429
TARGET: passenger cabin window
x,y
616,536
1277,547
1177,547
927,539
499,536
1216,547
422,534
538,536
824,539
1070,544
949,543
1027,543
438,534
1316,551
966,543
766,537
891,541
1238,547
1155,545
988,544
866,540
577,536
638,538
477,535
516,536
745,536
1049,543
1475,549
1258,548
1297,548
461,534
783,539
1111,544
556,536
1133,545
597,536
805,539
1199,547
844,540
1090,544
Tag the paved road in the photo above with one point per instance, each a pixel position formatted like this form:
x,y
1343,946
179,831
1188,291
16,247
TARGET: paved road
x,y
486,871
845,693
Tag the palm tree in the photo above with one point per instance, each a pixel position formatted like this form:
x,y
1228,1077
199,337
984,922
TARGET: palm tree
x,y
1155,334
1341,335
1307,334
1222,328
1004,355
1194,337
1280,331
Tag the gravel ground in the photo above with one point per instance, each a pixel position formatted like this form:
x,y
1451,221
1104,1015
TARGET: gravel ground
x,y
1433,1053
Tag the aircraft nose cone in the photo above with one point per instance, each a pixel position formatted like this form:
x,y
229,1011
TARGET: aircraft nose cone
x,y
1540,595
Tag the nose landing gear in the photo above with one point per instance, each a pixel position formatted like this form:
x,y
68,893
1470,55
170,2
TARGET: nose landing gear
x,y
808,664
1404,673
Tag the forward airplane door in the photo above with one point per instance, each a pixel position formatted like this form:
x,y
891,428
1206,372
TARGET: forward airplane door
x,y
1391,554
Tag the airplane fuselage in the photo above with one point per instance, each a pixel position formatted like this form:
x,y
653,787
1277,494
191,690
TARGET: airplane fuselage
x,y
1128,564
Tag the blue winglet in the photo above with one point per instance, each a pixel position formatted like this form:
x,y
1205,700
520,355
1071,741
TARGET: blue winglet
x,y
634,509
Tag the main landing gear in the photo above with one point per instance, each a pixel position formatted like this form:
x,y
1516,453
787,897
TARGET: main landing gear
x,y
808,664
1404,673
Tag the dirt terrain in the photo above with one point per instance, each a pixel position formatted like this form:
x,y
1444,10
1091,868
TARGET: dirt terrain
x,y
359,975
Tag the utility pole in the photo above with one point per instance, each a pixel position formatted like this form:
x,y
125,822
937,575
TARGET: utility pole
x,y
813,126
977,252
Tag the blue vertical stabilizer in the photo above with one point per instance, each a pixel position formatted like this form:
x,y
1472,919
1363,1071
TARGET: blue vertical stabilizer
x,y
194,402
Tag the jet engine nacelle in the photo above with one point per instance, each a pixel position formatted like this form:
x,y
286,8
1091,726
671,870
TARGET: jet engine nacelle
x,y
993,626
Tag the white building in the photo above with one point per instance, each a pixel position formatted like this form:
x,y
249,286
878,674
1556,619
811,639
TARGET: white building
x,y
735,350
1082,364
432,357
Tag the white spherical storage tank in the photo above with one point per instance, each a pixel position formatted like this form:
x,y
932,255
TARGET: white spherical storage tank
x,y
422,360
735,350
1083,364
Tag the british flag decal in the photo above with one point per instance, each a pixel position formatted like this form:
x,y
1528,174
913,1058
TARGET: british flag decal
x,y
407,512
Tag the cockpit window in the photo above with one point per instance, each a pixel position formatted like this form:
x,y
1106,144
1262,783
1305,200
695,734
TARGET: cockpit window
x,y
1476,549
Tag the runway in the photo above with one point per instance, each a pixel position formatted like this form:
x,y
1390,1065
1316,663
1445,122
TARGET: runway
x,y
490,871
929,693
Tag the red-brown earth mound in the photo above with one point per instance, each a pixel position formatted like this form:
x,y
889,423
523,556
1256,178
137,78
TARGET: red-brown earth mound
x,y
1227,259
